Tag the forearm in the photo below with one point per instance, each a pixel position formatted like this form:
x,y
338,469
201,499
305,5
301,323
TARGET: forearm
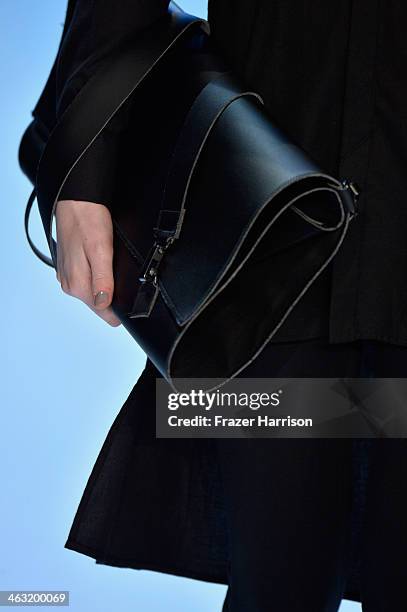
x,y
96,28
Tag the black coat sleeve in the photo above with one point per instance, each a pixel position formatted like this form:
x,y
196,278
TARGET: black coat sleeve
x,y
95,28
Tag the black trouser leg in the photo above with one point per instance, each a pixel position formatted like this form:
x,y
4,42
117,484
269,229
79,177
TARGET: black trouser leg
x,y
289,501
289,509
384,542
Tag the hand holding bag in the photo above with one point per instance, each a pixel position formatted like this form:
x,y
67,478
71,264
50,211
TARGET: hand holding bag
x,y
221,223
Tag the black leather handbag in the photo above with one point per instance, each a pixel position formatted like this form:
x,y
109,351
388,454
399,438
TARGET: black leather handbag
x,y
221,223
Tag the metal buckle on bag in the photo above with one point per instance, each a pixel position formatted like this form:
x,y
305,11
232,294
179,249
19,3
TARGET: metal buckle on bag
x,y
148,290
165,233
151,268
350,192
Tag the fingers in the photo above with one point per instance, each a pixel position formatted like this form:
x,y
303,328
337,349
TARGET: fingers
x,y
85,260
76,281
100,259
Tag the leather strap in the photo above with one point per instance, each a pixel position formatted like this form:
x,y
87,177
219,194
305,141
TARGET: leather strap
x,y
208,106
36,250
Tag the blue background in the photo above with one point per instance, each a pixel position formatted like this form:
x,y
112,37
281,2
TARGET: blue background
x,y
65,374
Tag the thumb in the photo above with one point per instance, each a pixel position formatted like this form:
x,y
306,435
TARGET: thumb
x,y
102,279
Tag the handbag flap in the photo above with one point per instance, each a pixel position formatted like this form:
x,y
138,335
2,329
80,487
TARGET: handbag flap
x,y
248,175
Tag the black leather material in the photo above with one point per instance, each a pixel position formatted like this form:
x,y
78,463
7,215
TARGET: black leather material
x,y
221,222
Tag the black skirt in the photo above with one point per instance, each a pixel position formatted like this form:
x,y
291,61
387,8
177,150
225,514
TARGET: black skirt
x,y
158,504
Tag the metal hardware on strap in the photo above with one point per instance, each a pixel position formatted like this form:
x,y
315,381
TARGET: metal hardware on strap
x,y
150,270
350,192
166,231
148,289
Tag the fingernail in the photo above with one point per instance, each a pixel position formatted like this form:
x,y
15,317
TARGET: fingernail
x,y
100,298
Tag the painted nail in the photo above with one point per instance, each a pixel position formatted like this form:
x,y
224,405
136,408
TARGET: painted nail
x,y
100,298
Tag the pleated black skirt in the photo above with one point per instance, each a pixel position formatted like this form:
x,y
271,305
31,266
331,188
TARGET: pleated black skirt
x,y
161,504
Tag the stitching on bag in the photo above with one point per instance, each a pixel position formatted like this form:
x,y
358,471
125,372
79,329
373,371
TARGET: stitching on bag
x,y
284,317
182,319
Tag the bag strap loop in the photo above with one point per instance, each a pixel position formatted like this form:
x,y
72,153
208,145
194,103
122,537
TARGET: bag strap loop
x,y
47,260
206,109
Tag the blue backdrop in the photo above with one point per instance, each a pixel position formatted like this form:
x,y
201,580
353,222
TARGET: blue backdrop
x,y
64,372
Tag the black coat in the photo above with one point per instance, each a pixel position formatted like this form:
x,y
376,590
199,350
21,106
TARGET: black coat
x,y
332,74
